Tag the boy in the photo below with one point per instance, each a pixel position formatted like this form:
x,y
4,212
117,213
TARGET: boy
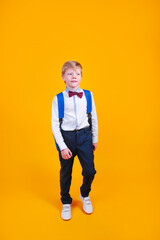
x,y
74,136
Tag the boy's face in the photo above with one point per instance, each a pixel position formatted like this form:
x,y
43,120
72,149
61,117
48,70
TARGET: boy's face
x,y
72,78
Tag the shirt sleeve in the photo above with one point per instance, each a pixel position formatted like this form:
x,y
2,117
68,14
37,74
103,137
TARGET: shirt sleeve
x,y
56,126
94,122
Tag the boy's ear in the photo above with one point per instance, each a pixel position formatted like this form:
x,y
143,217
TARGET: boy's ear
x,y
63,78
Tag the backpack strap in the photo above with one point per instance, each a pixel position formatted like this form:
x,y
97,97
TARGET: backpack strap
x,y
60,99
89,106
89,100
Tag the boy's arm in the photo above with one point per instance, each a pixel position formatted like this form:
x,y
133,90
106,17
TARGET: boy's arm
x,y
56,126
94,124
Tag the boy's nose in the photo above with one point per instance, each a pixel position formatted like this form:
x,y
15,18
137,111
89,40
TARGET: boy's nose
x,y
74,75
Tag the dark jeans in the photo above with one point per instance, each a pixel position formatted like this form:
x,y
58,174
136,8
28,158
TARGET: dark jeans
x,y
80,144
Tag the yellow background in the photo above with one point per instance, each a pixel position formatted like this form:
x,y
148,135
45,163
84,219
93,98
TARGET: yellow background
x,y
117,43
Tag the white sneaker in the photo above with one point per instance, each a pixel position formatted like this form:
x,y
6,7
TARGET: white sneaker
x,y
87,205
66,212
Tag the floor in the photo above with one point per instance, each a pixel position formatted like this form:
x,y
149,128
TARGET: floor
x,y
126,206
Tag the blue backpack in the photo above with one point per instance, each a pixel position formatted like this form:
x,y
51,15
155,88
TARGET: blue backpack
x,y
60,99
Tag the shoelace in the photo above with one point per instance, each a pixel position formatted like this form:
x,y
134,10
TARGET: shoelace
x,y
87,201
66,208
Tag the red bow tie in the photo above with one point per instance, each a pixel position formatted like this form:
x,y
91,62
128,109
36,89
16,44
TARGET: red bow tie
x,y
79,94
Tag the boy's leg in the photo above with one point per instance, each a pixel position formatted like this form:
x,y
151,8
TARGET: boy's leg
x,y
86,157
66,167
65,178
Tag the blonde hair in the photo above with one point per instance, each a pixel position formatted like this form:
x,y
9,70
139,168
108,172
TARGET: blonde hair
x,y
70,64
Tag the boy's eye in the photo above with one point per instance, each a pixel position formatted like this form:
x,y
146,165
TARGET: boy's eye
x,y
72,74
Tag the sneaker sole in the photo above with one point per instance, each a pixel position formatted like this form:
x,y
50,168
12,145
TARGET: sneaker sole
x,y
86,212
66,219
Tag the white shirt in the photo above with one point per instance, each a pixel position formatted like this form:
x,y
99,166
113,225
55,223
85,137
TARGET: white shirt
x,y
75,117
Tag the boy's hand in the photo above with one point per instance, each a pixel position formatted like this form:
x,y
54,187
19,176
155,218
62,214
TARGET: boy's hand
x,y
66,153
94,146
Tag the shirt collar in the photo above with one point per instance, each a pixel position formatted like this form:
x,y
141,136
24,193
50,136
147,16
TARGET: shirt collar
x,y
78,90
